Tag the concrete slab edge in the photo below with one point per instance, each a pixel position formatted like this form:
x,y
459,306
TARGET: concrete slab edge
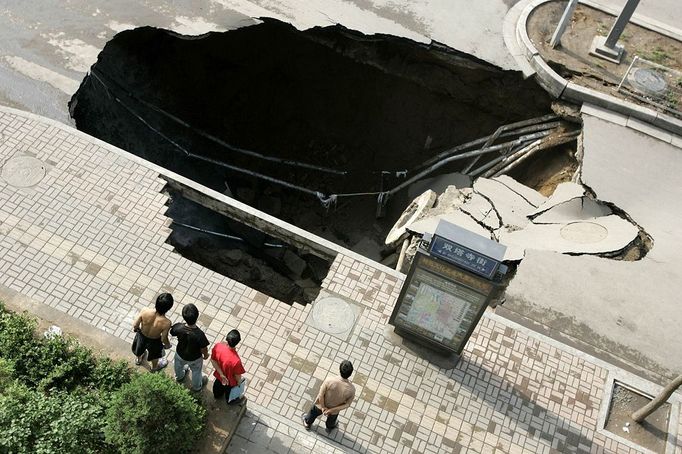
x,y
559,87
604,114
527,47
235,206
577,93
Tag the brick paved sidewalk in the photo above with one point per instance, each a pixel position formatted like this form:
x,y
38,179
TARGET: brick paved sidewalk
x,y
89,240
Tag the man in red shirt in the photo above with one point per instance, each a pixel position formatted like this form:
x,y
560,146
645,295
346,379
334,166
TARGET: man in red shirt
x,y
228,369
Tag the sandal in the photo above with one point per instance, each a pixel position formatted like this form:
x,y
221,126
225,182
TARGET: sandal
x,y
140,359
163,362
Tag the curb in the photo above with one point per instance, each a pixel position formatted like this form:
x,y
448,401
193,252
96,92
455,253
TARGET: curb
x,y
560,88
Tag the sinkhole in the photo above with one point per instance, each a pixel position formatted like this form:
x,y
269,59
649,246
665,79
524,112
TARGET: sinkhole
x,y
309,126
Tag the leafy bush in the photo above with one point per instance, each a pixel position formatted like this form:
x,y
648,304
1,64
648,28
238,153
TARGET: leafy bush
x,y
16,333
109,375
153,414
75,368
57,397
6,374
57,363
31,422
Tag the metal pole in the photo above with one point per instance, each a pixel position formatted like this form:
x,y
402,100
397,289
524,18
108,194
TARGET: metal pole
x,y
608,48
563,23
621,22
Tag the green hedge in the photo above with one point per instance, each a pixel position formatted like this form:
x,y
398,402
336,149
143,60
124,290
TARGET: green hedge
x,y
32,422
153,413
56,396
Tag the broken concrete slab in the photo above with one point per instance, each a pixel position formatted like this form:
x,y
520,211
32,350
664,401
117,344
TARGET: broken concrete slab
x,y
578,209
480,208
531,195
449,202
439,184
624,310
514,253
564,192
596,236
510,205
428,225
413,211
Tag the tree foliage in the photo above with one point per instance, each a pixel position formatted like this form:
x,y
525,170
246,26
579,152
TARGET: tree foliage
x,y
153,414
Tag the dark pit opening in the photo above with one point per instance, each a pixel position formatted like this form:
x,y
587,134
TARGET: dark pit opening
x,y
243,253
329,110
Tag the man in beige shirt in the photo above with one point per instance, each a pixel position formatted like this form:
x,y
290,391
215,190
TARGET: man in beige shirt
x,y
336,394
151,333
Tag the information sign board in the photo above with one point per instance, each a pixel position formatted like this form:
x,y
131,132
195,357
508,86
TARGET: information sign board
x,y
440,304
463,256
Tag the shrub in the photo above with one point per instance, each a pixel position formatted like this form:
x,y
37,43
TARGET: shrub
x,y
56,363
31,422
6,374
153,414
109,375
16,333
75,368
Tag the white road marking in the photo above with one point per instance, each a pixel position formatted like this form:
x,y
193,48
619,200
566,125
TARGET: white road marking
x,y
194,26
79,55
120,26
37,72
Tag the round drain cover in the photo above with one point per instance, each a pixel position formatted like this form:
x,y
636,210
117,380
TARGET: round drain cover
x,y
333,315
584,232
23,171
648,81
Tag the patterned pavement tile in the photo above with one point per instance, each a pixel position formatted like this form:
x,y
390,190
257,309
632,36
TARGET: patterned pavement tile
x,y
89,240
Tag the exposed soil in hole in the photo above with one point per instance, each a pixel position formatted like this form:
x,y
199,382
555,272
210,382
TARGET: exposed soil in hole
x,y
243,253
365,107
546,170
573,62
652,433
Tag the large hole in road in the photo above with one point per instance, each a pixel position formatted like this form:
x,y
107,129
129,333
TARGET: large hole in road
x,y
264,111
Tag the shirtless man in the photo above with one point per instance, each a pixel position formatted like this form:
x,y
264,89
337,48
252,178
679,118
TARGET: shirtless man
x,y
151,328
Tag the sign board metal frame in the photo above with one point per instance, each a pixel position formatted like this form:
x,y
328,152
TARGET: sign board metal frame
x,y
442,277
464,257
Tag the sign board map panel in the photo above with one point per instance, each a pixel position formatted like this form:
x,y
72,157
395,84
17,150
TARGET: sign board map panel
x,y
440,303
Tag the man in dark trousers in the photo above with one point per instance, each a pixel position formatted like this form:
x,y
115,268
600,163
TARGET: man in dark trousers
x,y
336,394
192,348
228,369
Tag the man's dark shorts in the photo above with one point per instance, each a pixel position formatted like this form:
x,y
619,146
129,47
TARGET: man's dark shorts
x,y
142,343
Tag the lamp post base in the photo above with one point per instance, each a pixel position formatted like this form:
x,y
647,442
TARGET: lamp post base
x,y
598,49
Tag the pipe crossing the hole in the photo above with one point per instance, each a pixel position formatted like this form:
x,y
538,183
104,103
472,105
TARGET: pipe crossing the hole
x,y
224,235
530,136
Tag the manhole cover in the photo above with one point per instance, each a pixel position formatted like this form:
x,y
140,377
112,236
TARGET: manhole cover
x,y
23,171
333,315
648,81
584,232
